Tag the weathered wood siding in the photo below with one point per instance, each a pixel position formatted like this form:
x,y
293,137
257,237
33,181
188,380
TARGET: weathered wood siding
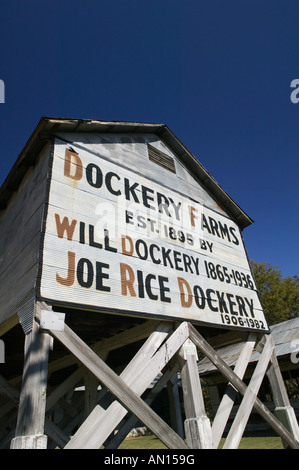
x,y
131,152
20,232
125,234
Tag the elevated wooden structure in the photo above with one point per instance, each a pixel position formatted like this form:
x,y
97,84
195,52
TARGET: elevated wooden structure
x,y
112,307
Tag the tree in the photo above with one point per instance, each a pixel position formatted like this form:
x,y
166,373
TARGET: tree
x,y
279,296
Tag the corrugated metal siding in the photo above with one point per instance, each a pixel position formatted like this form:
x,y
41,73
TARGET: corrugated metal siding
x,y
20,232
26,313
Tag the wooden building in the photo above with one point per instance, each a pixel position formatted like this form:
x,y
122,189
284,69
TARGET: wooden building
x,y
121,258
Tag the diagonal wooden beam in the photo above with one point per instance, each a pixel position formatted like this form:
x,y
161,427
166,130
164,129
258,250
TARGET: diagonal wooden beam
x,y
98,426
228,398
102,348
119,388
101,423
236,431
130,423
204,346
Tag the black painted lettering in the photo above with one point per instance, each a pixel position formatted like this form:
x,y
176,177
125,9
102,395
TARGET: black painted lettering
x,y
85,279
196,264
166,257
164,289
141,249
92,241
209,292
235,239
100,275
187,263
163,204
108,247
231,304
205,225
241,305
224,231
199,297
176,207
141,221
153,248
82,233
130,190
222,303
250,305
148,287
177,260
94,175
147,197
214,227
129,217
108,178
140,285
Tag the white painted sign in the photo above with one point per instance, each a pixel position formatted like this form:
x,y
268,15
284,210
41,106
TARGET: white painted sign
x,y
119,242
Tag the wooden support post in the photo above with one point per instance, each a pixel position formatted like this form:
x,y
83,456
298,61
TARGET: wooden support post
x,y
50,428
31,414
283,411
228,399
197,424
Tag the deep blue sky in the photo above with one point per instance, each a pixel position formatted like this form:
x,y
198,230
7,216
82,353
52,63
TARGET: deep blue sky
x,y
217,72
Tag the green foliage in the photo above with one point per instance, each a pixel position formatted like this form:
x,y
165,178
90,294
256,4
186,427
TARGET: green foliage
x,y
279,296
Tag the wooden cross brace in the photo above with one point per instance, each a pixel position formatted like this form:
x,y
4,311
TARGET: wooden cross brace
x,y
127,388
154,355
249,392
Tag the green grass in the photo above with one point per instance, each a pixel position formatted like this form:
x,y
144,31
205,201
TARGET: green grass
x,y
258,443
144,442
152,442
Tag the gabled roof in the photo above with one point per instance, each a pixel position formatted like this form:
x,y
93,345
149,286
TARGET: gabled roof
x,y
49,126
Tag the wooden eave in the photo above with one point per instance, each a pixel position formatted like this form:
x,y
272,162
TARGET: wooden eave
x,y
48,127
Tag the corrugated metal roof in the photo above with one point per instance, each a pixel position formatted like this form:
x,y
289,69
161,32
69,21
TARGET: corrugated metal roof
x,y
283,335
49,126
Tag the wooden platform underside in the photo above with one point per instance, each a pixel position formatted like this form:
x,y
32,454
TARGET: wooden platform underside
x,y
70,419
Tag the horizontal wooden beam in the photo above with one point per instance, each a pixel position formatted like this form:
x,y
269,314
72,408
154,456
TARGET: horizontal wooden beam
x,y
106,345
